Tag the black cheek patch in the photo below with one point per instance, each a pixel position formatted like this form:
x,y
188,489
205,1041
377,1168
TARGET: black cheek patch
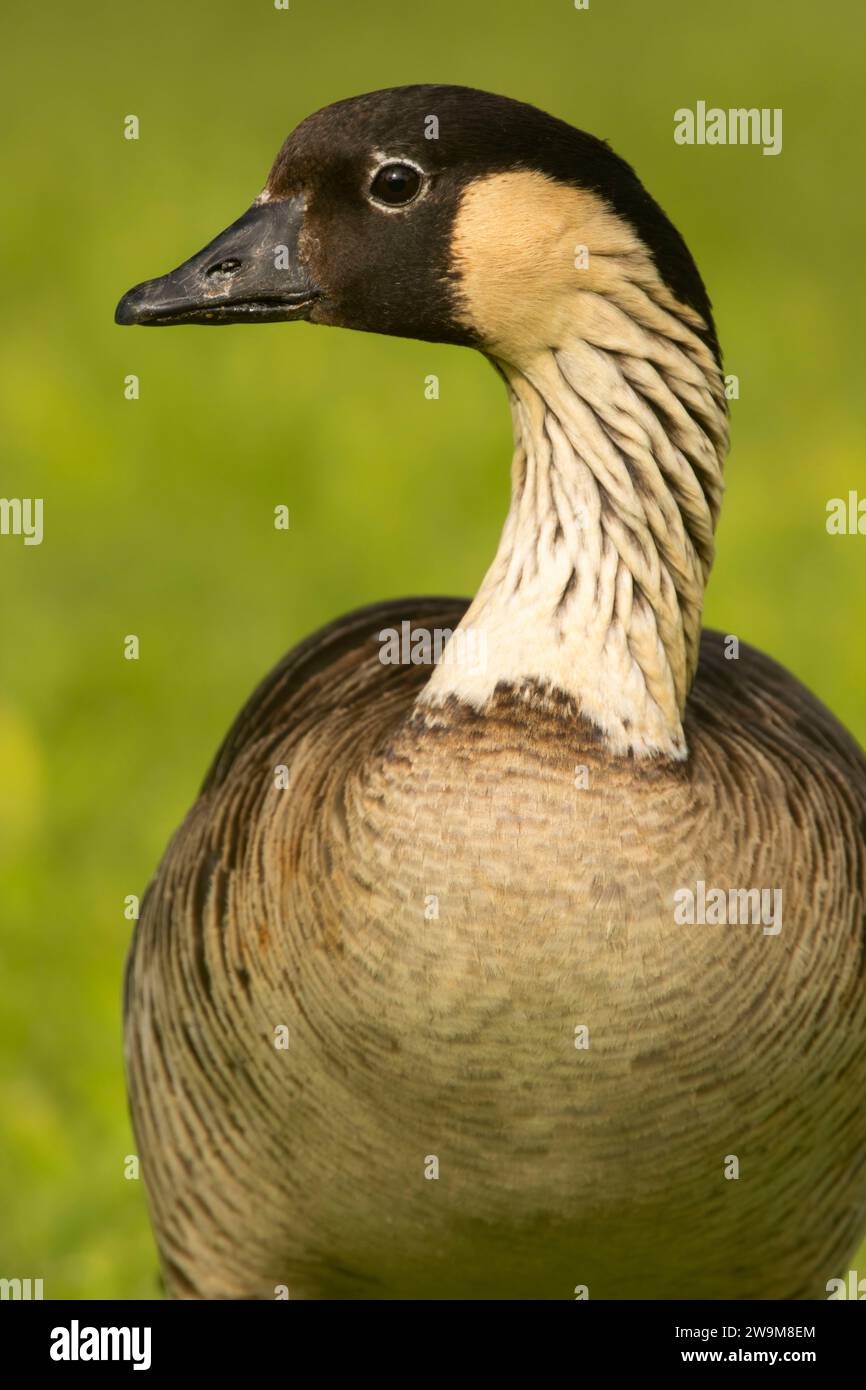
x,y
387,271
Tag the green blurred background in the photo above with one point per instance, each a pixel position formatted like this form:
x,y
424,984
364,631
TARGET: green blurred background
x,y
159,512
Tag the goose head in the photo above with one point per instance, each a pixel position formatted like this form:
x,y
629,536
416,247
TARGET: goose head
x,y
453,215
433,212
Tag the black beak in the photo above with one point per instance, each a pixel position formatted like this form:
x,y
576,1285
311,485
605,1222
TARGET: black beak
x,y
250,273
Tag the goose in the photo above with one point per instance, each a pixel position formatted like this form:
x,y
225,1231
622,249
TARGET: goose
x,y
414,1009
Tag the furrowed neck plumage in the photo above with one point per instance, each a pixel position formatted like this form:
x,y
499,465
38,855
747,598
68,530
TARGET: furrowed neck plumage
x,y
596,590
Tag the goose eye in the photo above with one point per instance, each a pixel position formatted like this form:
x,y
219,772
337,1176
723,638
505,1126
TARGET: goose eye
x,y
396,184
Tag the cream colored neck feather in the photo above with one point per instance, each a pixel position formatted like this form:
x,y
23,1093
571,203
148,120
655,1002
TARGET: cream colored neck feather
x,y
597,586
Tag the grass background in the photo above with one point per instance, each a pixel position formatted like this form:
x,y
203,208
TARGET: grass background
x,y
158,513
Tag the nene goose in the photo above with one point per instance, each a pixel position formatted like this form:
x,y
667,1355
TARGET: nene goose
x,y
512,1069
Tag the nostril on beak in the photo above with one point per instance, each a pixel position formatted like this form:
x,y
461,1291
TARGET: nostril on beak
x,y
223,269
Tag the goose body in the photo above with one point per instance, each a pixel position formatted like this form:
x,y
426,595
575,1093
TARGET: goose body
x,y
511,1069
